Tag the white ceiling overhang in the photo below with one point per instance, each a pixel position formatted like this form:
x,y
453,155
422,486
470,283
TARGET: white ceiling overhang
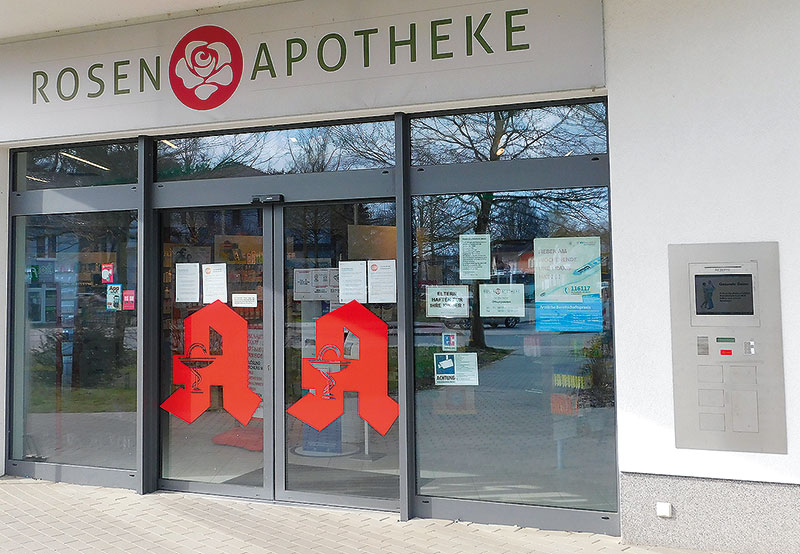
x,y
30,19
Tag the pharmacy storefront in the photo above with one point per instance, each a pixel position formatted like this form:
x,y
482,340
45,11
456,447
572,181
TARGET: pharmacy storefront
x,y
401,303
357,256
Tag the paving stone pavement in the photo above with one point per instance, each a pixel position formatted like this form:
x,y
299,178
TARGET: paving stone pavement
x,y
39,516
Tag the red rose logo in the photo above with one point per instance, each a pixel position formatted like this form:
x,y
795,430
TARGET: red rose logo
x,y
205,67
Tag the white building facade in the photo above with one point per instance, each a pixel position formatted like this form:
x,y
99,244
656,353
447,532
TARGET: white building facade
x,y
394,167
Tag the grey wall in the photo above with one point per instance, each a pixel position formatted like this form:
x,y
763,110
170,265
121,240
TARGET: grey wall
x,y
710,514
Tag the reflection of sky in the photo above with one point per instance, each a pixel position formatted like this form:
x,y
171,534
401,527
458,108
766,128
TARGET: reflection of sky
x,y
303,150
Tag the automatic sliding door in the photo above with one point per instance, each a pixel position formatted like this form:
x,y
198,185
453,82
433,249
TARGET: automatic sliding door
x,y
340,430
212,347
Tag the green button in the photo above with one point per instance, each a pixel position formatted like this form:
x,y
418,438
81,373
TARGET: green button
x,y
726,339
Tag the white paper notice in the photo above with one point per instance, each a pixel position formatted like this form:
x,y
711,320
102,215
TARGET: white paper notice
x,y
244,300
446,301
333,281
187,282
255,363
382,282
456,369
474,256
320,284
502,300
302,284
215,283
353,282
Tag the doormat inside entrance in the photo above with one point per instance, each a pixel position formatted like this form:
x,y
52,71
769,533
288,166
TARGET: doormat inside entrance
x,y
249,438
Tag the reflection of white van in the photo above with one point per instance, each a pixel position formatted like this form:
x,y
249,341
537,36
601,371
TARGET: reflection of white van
x,y
493,322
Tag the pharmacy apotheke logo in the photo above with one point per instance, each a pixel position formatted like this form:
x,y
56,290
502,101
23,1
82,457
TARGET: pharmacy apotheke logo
x,y
361,366
205,68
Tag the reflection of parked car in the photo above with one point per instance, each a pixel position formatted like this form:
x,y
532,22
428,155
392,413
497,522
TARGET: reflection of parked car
x,y
493,322
506,321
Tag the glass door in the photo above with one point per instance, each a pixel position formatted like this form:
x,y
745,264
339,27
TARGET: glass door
x,y
337,436
216,355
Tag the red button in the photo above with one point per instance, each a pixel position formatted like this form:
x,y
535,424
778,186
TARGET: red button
x,y
726,352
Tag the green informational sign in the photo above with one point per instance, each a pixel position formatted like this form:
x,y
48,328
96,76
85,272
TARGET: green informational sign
x,y
34,270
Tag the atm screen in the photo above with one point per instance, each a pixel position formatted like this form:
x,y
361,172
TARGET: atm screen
x,y
727,294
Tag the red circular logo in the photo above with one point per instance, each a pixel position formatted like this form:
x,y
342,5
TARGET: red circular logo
x,y
205,67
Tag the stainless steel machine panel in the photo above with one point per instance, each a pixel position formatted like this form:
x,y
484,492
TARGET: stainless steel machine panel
x,y
727,347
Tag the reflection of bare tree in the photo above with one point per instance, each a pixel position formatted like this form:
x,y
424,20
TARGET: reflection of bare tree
x,y
304,150
526,133
220,155
492,136
313,151
322,231
341,147
367,145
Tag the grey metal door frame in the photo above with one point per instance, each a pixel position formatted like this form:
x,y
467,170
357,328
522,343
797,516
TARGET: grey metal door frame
x,y
265,491
281,492
508,176
360,185
133,196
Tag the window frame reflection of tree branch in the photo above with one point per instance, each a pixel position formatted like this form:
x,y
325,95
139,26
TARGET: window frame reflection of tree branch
x,y
542,132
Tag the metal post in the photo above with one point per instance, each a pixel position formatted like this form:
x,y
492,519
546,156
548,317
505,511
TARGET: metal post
x,y
147,325
405,317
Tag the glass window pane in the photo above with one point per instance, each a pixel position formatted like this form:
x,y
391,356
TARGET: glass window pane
x,y
308,150
77,166
514,366
74,386
546,132
215,446
347,456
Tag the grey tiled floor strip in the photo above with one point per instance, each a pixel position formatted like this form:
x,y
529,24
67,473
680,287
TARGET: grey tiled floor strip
x,y
37,516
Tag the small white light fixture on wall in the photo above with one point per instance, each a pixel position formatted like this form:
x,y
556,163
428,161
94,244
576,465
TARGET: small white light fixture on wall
x,y
664,510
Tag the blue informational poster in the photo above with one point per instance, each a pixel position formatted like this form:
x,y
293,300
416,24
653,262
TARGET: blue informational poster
x,y
568,284
586,316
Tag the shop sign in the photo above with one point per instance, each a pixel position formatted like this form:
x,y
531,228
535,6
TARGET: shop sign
x,y
298,58
337,369
201,366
